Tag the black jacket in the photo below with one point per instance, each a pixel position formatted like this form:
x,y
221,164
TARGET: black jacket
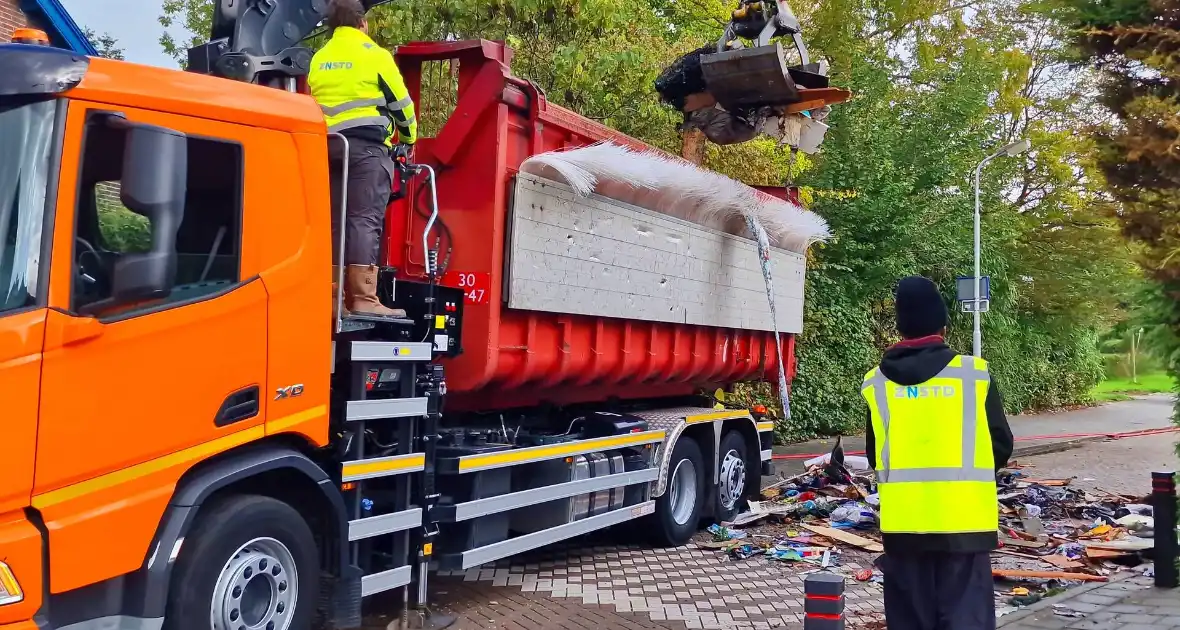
x,y
912,365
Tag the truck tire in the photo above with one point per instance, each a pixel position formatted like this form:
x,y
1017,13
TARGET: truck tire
x,y
678,510
249,561
733,477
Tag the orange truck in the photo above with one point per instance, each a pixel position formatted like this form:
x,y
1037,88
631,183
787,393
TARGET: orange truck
x,y
190,440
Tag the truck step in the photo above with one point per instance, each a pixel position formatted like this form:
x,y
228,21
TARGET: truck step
x,y
513,546
384,524
386,580
503,503
355,470
358,410
391,351
500,459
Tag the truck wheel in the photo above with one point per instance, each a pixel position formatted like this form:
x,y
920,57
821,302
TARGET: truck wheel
x,y
733,477
250,562
678,510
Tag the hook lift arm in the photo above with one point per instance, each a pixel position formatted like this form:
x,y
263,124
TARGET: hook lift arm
x,y
258,41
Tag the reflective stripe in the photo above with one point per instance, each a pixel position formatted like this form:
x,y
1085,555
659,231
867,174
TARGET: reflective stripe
x,y
969,423
336,110
969,376
402,104
878,382
904,475
380,121
407,123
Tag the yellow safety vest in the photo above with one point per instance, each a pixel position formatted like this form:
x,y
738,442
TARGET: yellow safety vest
x,y
357,84
935,467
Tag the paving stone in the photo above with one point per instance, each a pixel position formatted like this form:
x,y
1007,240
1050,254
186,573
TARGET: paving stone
x,y
1101,600
1144,619
1127,609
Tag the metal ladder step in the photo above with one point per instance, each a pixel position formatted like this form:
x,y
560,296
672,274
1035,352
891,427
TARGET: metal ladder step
x,y
383,409
385,580
391,351
384,524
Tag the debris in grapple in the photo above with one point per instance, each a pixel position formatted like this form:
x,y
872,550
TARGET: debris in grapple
x,y
733,93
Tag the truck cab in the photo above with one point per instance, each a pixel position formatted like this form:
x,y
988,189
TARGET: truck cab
x,y
146,319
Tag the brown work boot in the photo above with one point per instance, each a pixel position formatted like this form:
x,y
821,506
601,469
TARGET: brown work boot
x,y
335,288
361,293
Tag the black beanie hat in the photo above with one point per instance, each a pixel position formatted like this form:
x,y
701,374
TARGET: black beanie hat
x,y
920,309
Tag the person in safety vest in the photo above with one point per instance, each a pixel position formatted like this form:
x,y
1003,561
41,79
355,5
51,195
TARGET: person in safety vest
x,y
363,97
936,436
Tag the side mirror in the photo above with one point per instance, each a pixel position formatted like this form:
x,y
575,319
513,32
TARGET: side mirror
x,y
155,176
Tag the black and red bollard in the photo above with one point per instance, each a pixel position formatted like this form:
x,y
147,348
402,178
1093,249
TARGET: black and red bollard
x,y
1163,509
823,602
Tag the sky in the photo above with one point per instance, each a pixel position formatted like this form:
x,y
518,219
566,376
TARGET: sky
x,y
133,22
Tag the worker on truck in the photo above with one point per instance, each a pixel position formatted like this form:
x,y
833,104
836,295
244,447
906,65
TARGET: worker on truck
x,y
363,97
936,436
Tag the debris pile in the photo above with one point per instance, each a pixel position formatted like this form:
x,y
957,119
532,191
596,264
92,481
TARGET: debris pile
x,y
1052,535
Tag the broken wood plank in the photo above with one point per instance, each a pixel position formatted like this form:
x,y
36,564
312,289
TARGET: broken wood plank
x,y
1016,533
1029,544
1009,552
1048,575
1062,562
1051,483
845,537
1105,554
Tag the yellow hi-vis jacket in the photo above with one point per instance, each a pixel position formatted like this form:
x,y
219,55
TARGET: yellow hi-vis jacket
x,y
935,468
357,84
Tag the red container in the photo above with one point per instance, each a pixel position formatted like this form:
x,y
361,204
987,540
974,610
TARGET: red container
x,y
518,358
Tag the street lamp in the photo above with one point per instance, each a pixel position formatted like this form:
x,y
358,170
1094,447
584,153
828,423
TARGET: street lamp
x,y
1010,150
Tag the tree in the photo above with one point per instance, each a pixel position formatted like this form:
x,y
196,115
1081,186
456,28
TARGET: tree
x,y
106,44
938,85
1135,47
194,17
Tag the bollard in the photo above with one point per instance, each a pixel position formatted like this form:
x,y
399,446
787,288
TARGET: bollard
x,y
823,602
1163,509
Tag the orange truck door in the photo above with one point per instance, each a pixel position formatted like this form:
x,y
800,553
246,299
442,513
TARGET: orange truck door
x,y
135,394
26,166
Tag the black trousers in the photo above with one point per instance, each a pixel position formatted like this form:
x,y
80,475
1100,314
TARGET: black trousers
x,y
370,180
936,590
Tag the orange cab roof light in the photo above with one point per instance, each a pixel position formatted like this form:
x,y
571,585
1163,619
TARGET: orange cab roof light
x,y
30,36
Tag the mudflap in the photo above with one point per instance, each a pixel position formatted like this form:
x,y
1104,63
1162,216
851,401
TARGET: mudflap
x,y
346,599
747,78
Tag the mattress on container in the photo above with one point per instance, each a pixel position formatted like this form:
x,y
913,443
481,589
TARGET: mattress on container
x,y
591,255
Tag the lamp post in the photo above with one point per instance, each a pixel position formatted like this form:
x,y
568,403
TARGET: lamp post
x,y
1010,150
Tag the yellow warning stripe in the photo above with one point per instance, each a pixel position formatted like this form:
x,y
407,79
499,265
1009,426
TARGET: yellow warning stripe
x,y
765,426
538,453
717,415
188,455
364,468
295,419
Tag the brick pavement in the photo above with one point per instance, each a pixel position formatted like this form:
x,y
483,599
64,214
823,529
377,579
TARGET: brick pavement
x,y
1128,604
605,583
700,588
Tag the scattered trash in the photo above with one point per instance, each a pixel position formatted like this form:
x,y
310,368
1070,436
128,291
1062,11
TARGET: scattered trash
x,y
1053,535
721,533
1062,611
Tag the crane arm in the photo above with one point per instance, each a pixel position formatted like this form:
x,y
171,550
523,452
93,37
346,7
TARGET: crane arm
x,y
259,41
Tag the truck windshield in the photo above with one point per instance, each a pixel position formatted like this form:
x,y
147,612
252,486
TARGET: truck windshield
x,y
26,133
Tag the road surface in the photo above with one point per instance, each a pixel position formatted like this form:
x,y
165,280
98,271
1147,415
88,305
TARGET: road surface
x,y
612,583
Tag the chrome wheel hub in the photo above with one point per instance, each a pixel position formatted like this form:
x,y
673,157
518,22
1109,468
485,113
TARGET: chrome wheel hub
x,y
683,491
257,588
733,479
